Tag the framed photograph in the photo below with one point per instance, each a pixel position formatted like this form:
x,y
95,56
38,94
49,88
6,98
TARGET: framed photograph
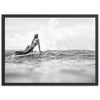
x,y
57,50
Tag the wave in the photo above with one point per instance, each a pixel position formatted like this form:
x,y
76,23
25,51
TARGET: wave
x,y
53,54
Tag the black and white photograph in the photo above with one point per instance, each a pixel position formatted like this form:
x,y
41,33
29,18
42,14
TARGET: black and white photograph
x,y
49,49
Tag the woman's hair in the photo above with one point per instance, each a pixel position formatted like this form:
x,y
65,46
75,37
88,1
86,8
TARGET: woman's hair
x,y
35,36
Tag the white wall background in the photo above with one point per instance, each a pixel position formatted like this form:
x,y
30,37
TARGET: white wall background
x,y
47,7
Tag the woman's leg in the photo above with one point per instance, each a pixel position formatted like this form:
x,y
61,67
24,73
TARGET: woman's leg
x,y
19,52
26,48
30,49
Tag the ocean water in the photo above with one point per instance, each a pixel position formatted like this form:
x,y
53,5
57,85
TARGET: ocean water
x,y
51,66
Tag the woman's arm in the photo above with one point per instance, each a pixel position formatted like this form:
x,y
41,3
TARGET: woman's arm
x,y
39,45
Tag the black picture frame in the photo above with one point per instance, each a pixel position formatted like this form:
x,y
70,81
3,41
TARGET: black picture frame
x,y
43,16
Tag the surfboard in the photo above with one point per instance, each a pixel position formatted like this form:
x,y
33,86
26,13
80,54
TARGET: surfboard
x,y
26,55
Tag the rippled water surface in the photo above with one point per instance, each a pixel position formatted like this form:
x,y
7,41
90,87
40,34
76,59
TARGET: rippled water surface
x,y
70,66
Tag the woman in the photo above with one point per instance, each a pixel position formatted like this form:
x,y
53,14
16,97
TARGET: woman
x,y
30,48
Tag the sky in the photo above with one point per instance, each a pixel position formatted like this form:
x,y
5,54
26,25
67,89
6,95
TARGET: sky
x,y
54,33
